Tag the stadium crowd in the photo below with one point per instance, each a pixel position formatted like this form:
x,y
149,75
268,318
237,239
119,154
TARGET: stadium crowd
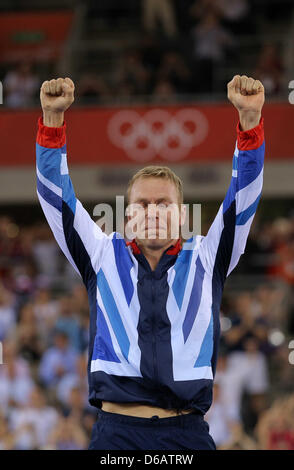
x,y
44,323
181,49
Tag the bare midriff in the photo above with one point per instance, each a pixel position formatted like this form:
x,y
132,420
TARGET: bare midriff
x,y
141,411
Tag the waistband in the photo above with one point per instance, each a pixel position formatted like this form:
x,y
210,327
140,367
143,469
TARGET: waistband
x,y
180,420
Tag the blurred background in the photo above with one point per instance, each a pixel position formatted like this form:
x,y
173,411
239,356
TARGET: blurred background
x,y
150,82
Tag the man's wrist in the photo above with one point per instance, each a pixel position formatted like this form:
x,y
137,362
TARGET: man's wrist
x,y
249,119
53,118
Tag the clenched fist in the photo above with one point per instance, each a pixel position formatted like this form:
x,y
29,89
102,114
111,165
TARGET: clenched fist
x,y
56,97
247,95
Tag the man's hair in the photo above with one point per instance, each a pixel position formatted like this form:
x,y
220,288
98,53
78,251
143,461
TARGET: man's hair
x,y
155,171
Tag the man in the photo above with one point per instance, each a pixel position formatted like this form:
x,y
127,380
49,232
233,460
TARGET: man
x,y
154,305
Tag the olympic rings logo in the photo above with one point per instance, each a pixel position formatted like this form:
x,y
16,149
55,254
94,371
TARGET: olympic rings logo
x,y
157,132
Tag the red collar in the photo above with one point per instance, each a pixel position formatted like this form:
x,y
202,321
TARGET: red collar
x,y
173,250
135,249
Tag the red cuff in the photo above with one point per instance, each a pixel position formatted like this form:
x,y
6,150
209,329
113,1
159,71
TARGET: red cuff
x,y
51,137
252,139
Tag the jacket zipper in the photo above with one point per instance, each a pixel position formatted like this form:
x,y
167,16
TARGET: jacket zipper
x,y
153,333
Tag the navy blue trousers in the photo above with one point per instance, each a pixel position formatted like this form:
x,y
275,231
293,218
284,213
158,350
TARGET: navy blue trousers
x,y
120,432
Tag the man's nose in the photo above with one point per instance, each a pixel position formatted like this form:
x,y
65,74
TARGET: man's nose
x,y
152,211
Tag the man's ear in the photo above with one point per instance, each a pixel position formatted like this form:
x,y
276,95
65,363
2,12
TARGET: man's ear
x,y
183,214
127,210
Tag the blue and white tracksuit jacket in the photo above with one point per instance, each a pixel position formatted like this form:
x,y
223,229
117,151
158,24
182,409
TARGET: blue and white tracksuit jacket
x,y
153,334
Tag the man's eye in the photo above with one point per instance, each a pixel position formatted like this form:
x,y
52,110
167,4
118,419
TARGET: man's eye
x,y
162,205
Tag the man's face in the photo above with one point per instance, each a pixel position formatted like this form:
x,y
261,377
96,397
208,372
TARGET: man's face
x,y
155,215
61,341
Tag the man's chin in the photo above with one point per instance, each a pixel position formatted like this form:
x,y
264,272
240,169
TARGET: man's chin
x,y
154,243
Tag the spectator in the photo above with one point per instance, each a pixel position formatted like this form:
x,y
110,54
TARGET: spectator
x,y
7,312
223,424
163,92
68,435
248,374
132,73
282,235
269,69
69,276
46,311
235,10
275,430
211,43
76,379
223,417
92,88
80,301
16,383
27,334
80,298
23,276
20,86
247,368
201,8
163,11
284,268
282,371
69,323
9,241
45,252
236,15
246,324
76,407
7,439
174,70
150,52
270,310
57,360
33,423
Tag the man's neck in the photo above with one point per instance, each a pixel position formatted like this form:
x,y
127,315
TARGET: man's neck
x,y
153,255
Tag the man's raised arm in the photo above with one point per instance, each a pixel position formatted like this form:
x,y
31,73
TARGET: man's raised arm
x,y
225,241
79,237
